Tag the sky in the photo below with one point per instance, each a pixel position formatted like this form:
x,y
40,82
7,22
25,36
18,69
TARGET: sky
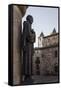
x,y
45,19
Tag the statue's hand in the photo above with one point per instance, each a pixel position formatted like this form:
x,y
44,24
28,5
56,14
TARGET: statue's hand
x,y
32,37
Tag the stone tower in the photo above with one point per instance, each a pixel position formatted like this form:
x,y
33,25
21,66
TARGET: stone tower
x,y
40,40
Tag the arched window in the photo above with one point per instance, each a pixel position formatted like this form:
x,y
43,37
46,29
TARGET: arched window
x,y
38,72
56,68
37,66
55,53
37,62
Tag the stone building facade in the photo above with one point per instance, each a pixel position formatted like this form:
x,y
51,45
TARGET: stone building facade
x,y
45,58
44,41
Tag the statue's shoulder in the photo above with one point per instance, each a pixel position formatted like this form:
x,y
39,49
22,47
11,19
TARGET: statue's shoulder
x,y
25,22
33,31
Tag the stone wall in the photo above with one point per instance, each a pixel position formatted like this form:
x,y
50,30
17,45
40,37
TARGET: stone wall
x,y
47,59
50,40
18,13
44,41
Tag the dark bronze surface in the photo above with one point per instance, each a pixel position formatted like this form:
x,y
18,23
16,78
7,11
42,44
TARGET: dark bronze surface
x,y
28,47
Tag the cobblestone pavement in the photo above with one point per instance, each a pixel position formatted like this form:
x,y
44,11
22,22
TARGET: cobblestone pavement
x,y
45,79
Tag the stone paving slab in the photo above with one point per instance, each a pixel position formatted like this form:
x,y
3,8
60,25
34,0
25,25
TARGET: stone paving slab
x,y
45,79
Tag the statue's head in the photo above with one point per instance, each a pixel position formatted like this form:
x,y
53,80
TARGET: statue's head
x,y
30,19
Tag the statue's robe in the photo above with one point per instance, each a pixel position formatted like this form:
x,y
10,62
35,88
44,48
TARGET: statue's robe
x,y
28,40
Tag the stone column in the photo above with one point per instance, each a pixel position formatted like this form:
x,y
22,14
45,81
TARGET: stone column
x,y
18,13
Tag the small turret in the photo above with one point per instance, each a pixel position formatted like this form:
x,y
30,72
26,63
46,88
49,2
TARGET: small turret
x,y
40,40
42,34
54,31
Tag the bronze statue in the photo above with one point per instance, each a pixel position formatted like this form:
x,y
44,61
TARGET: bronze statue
x,y
28,47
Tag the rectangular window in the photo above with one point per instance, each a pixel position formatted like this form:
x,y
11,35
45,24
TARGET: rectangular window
x,y
56,53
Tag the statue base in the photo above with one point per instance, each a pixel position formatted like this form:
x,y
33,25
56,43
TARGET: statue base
x,y
28,80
